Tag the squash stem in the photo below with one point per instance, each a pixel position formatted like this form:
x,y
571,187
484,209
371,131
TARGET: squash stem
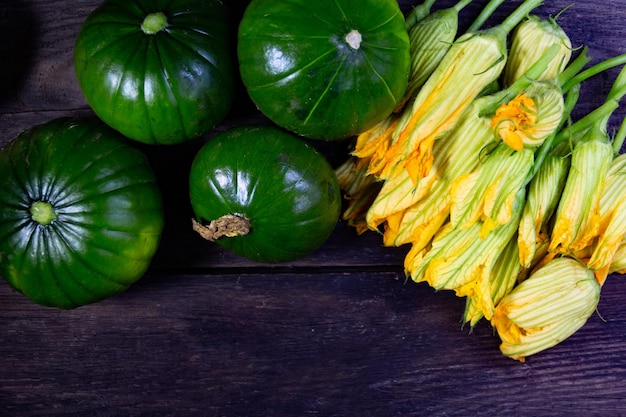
x,y
154,23
484,15
354,39
418,13
42,212
229,225
594,70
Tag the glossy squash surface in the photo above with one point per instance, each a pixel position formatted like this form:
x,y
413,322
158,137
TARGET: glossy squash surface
x,y
285,189
157,71
80,213
325,69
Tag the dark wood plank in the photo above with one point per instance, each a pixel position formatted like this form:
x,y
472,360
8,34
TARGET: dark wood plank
x,y
328,344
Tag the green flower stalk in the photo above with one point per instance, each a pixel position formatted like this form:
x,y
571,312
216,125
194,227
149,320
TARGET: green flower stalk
x,y
528,41
545,309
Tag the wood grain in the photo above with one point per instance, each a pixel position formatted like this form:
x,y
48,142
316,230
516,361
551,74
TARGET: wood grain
x,y
338,333
324,344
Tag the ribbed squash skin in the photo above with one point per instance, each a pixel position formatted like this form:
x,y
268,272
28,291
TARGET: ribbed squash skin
x,y
163,88
108,209
302,73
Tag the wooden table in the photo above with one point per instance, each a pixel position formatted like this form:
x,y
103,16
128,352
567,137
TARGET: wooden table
x,y
339,333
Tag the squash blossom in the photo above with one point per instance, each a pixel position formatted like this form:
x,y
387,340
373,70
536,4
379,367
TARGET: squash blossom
x,y
462,259
532,116
544,193
578,214
528,41
513,119
441,101
545,309
456,154
473,62
612,224
359,189
430,38
501,281
489,192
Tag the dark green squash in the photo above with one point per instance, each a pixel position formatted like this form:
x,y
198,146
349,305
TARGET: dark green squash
x,y
325,69
264,194
158,72
80,213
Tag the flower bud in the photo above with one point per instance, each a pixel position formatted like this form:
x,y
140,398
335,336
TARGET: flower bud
x,y
529,40
545,309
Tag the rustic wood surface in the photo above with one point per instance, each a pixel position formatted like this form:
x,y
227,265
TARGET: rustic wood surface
x,y
339,333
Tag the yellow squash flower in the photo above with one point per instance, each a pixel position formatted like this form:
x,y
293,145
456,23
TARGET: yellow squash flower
x,y
618,263
500,282
532,116
513,119
578,214
545,309
430,38
472,63
489,192
462,259
544,192
612,224
455,155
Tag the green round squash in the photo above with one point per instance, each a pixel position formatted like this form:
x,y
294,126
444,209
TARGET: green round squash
x,y
264,194
325,69
80,213
158,72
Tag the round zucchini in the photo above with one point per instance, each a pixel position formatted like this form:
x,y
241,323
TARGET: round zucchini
x,y
80,213
158,72
264,194
325,69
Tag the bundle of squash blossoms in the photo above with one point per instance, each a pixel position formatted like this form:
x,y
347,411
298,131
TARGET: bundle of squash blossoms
x,y
502,197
